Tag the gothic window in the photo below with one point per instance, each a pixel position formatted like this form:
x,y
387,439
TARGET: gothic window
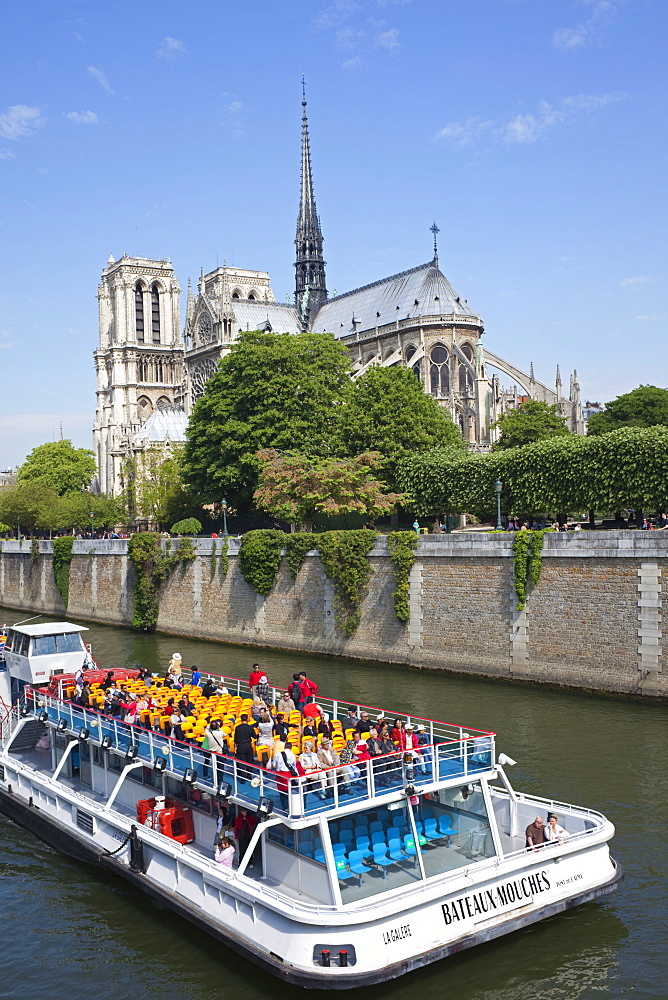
x,y
142,370
417,369
465,380
439,371
162,402
155,314
251,297
157,368
467,351
139,312
410,351
199,376
205,329
144,408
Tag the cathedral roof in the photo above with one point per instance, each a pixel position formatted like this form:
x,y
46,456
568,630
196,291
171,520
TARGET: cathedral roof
x,y
250,315
421,291
166,423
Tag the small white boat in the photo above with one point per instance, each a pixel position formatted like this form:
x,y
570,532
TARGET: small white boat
x,y
414,859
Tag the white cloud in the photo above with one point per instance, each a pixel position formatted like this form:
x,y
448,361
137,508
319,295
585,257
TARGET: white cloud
x,y
634,282
6,154
527,127
101,78
235,106
5,345
353,63
82,117
388,40
170,49
642,316
234,117
19,121
587,32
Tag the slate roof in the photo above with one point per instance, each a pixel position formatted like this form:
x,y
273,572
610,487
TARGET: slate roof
x,y
390,299
166,423
250,315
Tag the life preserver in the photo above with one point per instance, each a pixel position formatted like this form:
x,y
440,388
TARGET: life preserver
x,y
174,820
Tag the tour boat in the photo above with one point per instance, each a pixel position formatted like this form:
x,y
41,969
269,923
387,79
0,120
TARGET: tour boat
x,y
347,879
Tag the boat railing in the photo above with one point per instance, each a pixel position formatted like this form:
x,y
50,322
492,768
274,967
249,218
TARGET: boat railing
x,y
293,797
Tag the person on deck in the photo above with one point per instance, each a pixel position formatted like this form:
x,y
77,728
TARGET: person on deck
x,y
535,834
195,676
295,691
254,678
309,689
225,851
244,734
285,703
554,832
244,826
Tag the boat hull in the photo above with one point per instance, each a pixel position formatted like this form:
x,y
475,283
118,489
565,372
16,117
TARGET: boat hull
x,y
69,842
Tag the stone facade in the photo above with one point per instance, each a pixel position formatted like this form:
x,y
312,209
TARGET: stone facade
x,y
593,621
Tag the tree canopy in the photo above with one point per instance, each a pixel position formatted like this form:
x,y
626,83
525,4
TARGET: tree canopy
x,y
154,487
389,412
646,406
272,390
625,468
296,487
60,466
27,503
532,421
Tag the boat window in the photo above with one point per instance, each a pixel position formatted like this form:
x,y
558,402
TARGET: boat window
x,y
18,643
43,645
306,842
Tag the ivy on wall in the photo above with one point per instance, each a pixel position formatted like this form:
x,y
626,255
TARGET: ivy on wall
x,y
344,555
219,557
296,545
401,546
527,549
260,558
62,557
152,567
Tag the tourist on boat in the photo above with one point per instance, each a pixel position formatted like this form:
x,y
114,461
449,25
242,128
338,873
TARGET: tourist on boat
x,y
309,688
254,678
395,734
310,728
83,696
215,738
408,740
364,724
311,711
225,815
244,734
554,832
174,668
295,691
285,703
325,727
350,720
285,764
176,718
186,706
244,826
195,676
266,728
257,708
329,758
310,762
384,731
281,728
108,681
423,742
225,851
263,689
209,689
535,834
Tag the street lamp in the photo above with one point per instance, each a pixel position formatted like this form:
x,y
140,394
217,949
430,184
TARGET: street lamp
x,y
92,524
498,486
223,507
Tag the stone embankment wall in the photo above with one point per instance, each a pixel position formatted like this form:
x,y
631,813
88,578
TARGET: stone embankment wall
x,y
592,622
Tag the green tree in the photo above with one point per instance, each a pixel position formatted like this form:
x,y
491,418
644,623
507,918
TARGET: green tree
x,y
27,503
645,406
187,526
60,466
271,391
389,412
532,421
154,487
296,488
72,512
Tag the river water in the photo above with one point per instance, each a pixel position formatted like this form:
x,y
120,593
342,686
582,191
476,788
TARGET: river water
x,y
71,932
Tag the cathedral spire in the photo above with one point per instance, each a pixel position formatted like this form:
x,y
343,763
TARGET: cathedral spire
x,y
310,285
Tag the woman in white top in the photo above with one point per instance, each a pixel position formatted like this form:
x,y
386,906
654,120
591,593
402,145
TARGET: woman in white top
x,y
310,762
266,728
552,829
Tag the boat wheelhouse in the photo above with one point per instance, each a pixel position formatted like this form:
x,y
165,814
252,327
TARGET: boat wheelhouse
x,y
348,879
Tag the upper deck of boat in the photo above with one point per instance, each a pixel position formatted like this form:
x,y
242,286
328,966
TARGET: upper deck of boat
x,y
454,753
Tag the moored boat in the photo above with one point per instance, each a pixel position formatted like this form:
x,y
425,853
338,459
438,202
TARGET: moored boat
x,y
347,878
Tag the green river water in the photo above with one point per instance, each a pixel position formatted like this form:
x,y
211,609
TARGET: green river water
x,y
71,932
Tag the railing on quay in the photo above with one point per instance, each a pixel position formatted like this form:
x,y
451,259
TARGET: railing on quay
x,y
293,797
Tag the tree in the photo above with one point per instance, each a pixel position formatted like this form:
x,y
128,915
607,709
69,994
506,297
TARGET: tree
x,y
73,512
296,488
154,487
27,503
188,526
645,406
389,412
532,421
60,466
272,390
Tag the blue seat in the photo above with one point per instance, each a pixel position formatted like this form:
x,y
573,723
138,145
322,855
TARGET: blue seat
x,y
362,843
409,845
356,864
378,837
381,859
394,849
320,855
431,830
375,826
341,870
339,850
444,825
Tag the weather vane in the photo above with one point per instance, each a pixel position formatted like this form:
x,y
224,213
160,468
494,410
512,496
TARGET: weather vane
x,y
435,230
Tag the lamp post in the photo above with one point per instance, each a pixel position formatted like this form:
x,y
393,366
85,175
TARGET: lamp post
x,y
223,507
92,524
498,486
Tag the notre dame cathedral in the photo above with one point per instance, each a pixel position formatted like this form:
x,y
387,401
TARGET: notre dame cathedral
x,y
149,377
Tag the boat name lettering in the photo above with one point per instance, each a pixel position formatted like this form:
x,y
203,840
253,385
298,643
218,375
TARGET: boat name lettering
x,y
567,881
397,934
500,896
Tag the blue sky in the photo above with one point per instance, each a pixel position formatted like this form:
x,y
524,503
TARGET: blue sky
x,y
532,131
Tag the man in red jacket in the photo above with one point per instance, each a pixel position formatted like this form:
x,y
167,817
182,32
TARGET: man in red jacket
x,y
254,678
309,688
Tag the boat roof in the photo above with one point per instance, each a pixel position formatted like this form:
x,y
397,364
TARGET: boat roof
x,y
48,628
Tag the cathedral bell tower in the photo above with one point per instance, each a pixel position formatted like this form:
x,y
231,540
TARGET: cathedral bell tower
x,y
310,285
